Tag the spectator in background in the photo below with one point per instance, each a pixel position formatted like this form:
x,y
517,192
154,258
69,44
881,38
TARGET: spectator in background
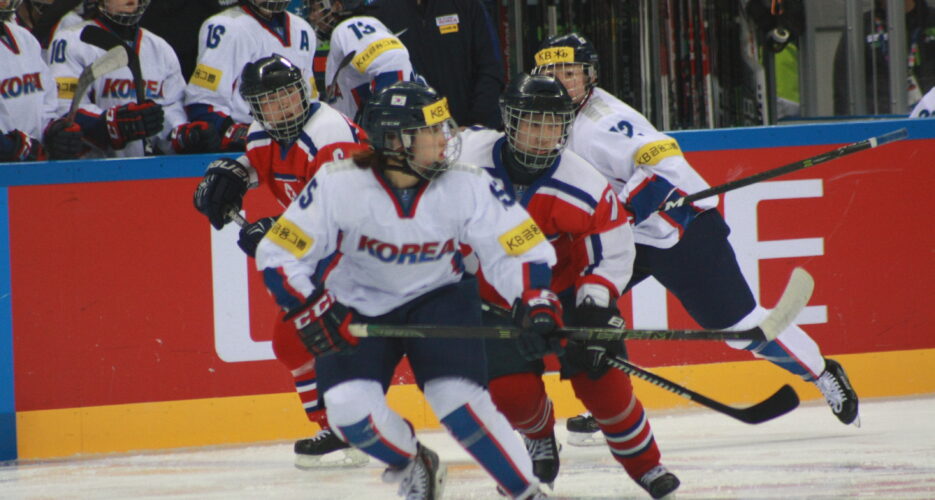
x,y
920,45
178,21
453,44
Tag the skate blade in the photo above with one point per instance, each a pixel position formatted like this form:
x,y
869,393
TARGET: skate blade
x,y
349,457
856,422
582,439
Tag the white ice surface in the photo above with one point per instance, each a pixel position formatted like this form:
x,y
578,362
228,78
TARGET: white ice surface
x,y
806,454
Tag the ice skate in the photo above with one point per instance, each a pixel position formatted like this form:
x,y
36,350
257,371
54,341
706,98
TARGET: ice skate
x,y
544,455
422,479
660,483
319,451
583,431
837,390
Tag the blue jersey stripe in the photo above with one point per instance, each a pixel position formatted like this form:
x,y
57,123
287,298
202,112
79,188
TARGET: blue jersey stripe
x,y
276,283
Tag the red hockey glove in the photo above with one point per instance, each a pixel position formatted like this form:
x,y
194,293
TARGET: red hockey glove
x,y
235,137
132,122
195,137
539,313
17,146
322,324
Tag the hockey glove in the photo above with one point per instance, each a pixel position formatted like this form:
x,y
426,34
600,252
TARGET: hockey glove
x,y
251,234
322,324
63,139
235,137
591,355
17,146
222,190
195,137
538,313
132,122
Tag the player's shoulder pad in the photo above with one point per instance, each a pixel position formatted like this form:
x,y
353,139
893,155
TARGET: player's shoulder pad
x,y
466,168
339,166
578,172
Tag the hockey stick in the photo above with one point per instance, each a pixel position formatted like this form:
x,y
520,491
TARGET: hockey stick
x,y
781,402
796,295
99,37
329,90
112,60
873,142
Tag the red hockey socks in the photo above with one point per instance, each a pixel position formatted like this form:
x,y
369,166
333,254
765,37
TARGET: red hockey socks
x,y
522,399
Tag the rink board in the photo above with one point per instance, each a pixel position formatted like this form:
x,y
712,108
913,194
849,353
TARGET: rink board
x,y
126,317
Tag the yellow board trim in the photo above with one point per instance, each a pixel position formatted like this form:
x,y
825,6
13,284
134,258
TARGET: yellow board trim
x,y
66,87
207,77
555,55
200,422
654,152
288,236
521,238
366,57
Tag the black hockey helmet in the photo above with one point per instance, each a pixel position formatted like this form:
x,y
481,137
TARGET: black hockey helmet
x,y
6,13
274,6
570,48
123,18
326,14
530,106
394,115
277,94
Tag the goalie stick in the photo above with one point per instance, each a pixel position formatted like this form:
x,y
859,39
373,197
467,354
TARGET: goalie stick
x,y
796,295
112,60
873,142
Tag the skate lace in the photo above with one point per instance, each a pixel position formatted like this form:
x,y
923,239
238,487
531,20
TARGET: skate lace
x,y
830,387
415,485
322,435
540,449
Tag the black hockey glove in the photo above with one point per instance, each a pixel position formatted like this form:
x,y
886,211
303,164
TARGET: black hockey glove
x,y
251,234
195,137
131,122
222,190
322,324
591,355
538,312
63,139
17,146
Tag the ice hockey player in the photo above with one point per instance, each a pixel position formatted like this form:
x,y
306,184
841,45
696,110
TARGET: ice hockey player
x,y
292,135
582,217
926,106
399,242
110,117
28,98
226,42
364,56
685,249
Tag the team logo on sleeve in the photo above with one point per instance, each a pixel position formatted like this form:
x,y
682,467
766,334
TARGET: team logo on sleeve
x,y
366,57
521,238
66,87
555,55
287,235
654,152
207,77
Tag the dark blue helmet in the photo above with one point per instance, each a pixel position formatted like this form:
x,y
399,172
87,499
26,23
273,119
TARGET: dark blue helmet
x,y
569,49
393,116
537,114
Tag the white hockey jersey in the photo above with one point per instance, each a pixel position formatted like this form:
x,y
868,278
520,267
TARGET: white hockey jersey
x,y
926,107
27,89
645,166
379,59
389,255
229,40
71,18
161,74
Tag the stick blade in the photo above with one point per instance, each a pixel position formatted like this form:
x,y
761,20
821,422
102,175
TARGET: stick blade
x,y
796,295
113,60
781,402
